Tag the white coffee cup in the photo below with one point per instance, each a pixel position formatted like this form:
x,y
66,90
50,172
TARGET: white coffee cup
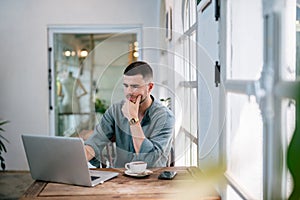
x,y
136,167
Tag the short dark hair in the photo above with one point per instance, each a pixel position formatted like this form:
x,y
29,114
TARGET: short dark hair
x,y
139,67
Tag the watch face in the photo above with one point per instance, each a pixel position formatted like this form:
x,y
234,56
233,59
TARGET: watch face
x,y
133,121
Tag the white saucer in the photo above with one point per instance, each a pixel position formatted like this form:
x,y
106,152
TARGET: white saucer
x,y
145,173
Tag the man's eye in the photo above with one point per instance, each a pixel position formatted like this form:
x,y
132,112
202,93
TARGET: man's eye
x,y
135,86
126,86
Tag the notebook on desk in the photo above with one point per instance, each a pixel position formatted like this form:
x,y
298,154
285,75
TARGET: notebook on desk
x,y
62,160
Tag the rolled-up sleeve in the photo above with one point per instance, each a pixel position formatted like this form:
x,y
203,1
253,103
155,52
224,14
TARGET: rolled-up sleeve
x,y
102,135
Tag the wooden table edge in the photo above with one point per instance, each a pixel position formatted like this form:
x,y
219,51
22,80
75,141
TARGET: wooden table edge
x,y
34,190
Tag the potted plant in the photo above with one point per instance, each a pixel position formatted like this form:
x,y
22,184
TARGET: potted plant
x,y
2,146
100,106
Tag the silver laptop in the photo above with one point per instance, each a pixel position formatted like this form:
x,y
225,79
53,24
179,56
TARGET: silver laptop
x,y
62,160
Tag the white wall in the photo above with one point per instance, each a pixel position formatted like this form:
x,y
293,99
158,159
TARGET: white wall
x,y
24,59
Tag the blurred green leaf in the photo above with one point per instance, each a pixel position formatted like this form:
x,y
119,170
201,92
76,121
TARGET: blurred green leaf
x,y
2,146
3,122
4,138
2,164
100,106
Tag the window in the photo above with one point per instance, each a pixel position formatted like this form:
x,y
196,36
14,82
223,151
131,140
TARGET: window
x,y
186,144
244,123
261,80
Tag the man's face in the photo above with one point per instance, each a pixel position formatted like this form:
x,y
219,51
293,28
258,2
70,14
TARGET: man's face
x,y
135,86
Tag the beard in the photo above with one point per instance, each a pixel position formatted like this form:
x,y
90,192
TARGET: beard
x,y
133,98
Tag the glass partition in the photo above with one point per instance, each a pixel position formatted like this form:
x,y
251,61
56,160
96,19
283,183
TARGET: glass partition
x,y
88,71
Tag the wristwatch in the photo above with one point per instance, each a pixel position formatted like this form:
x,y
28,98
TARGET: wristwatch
x,y
133,121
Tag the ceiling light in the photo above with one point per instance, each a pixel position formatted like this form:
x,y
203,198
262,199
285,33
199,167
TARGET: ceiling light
x,y
83,53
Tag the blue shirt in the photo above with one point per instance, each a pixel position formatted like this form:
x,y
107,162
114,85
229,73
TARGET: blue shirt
x,y
157,124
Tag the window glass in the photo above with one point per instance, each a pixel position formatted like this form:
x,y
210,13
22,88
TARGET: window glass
x,y
189,105
186,21
291,70
246,40
190,14
193,57
185,66
193,14
244,143
88,81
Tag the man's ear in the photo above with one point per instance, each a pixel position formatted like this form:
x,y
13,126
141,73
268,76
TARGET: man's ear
x,y
151,85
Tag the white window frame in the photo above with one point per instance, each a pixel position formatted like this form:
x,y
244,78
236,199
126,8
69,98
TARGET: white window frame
x,y
187,47
269,90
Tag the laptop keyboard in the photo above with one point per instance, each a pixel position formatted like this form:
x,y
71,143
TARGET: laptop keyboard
x,y
94,177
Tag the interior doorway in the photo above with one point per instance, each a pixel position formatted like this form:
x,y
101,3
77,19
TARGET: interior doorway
x,y
85,71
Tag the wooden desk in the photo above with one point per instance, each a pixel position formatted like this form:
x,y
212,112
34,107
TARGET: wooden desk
x,y
186,185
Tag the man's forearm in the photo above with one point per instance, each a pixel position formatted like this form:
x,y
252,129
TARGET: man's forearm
x,y
137,136
89,152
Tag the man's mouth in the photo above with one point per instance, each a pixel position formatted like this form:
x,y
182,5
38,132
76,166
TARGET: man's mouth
x,y
132,99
